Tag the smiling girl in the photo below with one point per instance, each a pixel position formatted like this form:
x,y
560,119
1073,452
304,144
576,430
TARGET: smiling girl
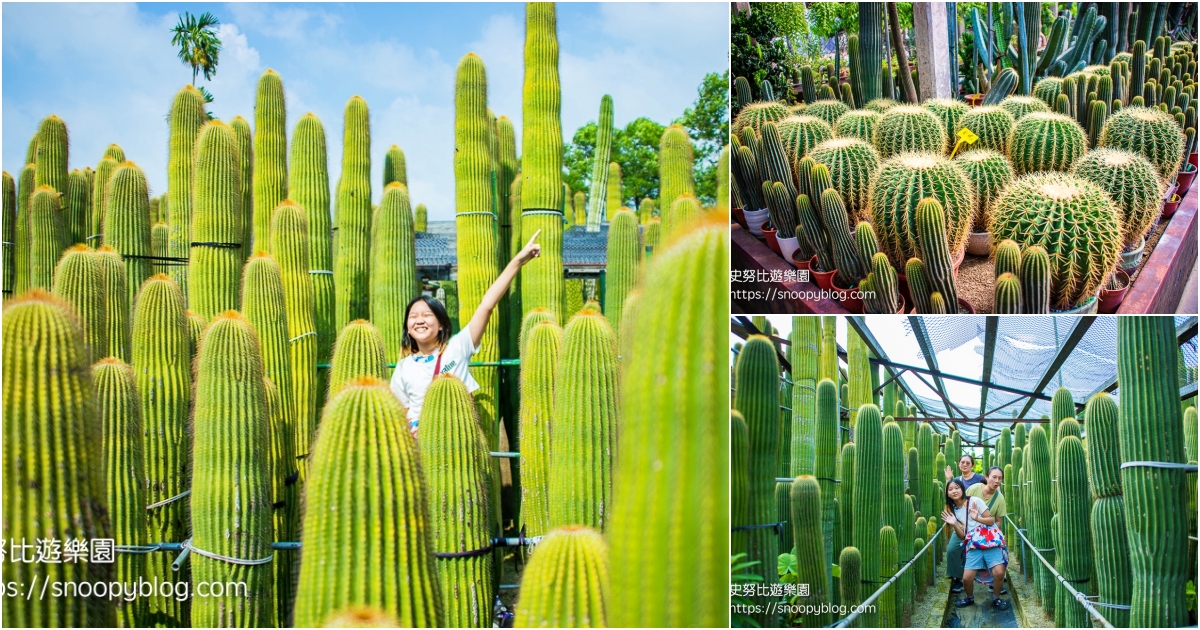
x,y
429,349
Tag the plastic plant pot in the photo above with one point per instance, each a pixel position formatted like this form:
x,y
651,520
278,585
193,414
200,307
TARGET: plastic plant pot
x,y
799,264
772,240
979,243
1089,307
1171,206
1131,259
739,216
1110,299
1184,179
787,246
843,295
824,279
755,219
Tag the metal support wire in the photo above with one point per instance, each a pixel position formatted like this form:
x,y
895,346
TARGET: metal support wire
x,y
886,585
1079,597
498,363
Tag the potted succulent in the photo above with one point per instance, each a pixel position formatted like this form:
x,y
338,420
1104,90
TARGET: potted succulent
x,y
1113,292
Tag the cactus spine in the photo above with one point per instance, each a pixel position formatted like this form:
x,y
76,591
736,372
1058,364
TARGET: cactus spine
x,y
50,420
1157,527
79,281
566,582
352,267
216,262
457,469
810,550
624,253
270,150
539,363
358,352
231,479
393,267
245,144
366,419
187,116
1110,546
585,418
119,407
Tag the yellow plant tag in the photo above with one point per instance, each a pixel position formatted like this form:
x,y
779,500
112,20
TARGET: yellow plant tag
x,y
965,136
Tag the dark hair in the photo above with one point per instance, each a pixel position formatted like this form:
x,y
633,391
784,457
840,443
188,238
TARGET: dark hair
x,y
407,343
968,456
989,472
950,502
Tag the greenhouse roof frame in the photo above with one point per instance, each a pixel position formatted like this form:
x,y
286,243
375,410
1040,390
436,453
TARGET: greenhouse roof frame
x,y
922,335
1080,329
1183,332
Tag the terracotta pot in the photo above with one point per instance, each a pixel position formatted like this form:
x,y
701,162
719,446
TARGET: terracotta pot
x,y
843,295
1192,159
1184,181
1170,207
979,243
962,253
974,99
772,241
824,279
799,264
1110,300
739,216
904,292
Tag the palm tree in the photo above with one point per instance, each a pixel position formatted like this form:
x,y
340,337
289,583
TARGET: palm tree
x,y
198,43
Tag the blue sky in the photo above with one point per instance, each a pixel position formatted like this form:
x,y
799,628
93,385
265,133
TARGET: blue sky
x,y
110,71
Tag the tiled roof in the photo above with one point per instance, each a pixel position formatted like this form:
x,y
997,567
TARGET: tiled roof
x,y
581,248
434,251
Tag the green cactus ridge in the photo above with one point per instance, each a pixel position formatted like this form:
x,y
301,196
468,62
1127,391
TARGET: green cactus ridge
x,y
1008,295
1149,406
755,115
52,158
624,254
858,123
1109,543
245,145
949,111
1040,514
351,268
77,207
1132,183
586,416
566,582
989,172
931,232
457,469
908,128
600,166
50,365
739,481
1018,106
119,407
9,195
993,124
826,463
1149,132
540,342
188,115
541,143
1074,560
358,352
394,280
231,480
104,172
395,168
850,562
308,182
46,237
851,164
885,284
79,281
902,182
126,226
868,517
1080,259
810,551
1035,281
270,153
926,450
215,268
827,109
1044,141
366,419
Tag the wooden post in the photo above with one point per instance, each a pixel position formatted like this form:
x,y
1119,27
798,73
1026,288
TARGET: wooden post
x,y
933,50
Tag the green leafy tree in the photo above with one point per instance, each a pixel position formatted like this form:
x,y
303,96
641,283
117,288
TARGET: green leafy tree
x,y
198,44
635,148
707,122
758,51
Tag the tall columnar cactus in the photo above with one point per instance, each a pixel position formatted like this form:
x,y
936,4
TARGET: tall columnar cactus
x,y
755,115
49,421
245,144
270,152
25,189
457,469
351,268
908,128
868,499
826,461
1150,415
1018,106
739,510
393,267
339,547
358,352
851,165
1074,547
231,478
684,212
900,184
1039,514
624,254
805,338
890,603
104,172
421,218
117,310
126,226
993,124
811,564
1080,259
215,268
541,161
52,150
566,582
79,281
686,455
46,237
757,398
1044,141
828,109
160,244
539,360
859,123
989,172
395,168
265,308
1110,546
585,420
892,488
845,515
675,168
187,116
1149,132
77,207
600,166
1007,300
1035,281
949,111
289,235
928,500
850,562
845,252
9,196
615,197
931,234
120,411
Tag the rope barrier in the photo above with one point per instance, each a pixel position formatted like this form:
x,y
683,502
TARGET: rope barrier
x,y
171,500
1166,465
1079,597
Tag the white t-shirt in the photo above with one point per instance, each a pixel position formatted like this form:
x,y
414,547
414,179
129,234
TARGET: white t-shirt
x,y
961,513
414,373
